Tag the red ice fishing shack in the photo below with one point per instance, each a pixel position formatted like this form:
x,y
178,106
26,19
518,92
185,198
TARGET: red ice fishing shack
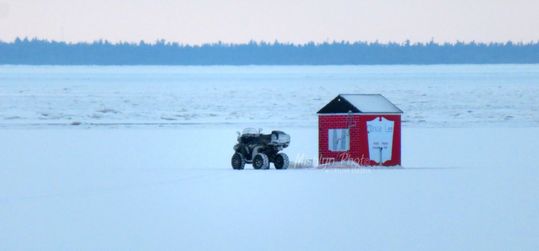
x,y
365,128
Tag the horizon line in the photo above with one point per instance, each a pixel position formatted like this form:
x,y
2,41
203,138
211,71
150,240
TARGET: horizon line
x,y
274,42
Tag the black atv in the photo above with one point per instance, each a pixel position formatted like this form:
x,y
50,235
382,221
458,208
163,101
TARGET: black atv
x,y
260,149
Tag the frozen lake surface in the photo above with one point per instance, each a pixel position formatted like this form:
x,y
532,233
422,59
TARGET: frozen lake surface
x,y
173,188
138,158
430,96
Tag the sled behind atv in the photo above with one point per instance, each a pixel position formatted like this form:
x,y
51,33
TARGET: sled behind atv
x,y
260,149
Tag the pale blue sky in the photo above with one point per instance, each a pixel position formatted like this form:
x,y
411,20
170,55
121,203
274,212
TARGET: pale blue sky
x,y
290,21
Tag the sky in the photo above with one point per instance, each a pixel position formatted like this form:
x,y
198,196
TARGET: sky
x,y
238,21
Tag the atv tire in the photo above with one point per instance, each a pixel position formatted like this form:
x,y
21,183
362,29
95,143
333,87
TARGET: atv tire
x,y
261,161
238,162
281,161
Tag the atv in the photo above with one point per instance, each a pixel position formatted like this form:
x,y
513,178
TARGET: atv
x,y
260,149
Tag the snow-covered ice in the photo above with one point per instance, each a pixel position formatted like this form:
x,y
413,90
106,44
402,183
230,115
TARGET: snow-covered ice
x,y
461,189
138,177
430,96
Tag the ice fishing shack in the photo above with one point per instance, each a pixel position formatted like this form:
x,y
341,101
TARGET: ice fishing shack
x,y
364,128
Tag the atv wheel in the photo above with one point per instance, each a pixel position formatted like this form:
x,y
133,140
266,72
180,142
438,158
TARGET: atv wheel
x,y
238,162
261,161
281,161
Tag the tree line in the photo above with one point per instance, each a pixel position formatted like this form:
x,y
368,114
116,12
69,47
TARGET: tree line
x,y
102,52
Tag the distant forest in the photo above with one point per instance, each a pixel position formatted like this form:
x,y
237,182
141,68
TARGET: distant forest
x,y
44,52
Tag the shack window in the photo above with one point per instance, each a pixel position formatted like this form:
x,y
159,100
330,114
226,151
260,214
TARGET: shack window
x,y
339,140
